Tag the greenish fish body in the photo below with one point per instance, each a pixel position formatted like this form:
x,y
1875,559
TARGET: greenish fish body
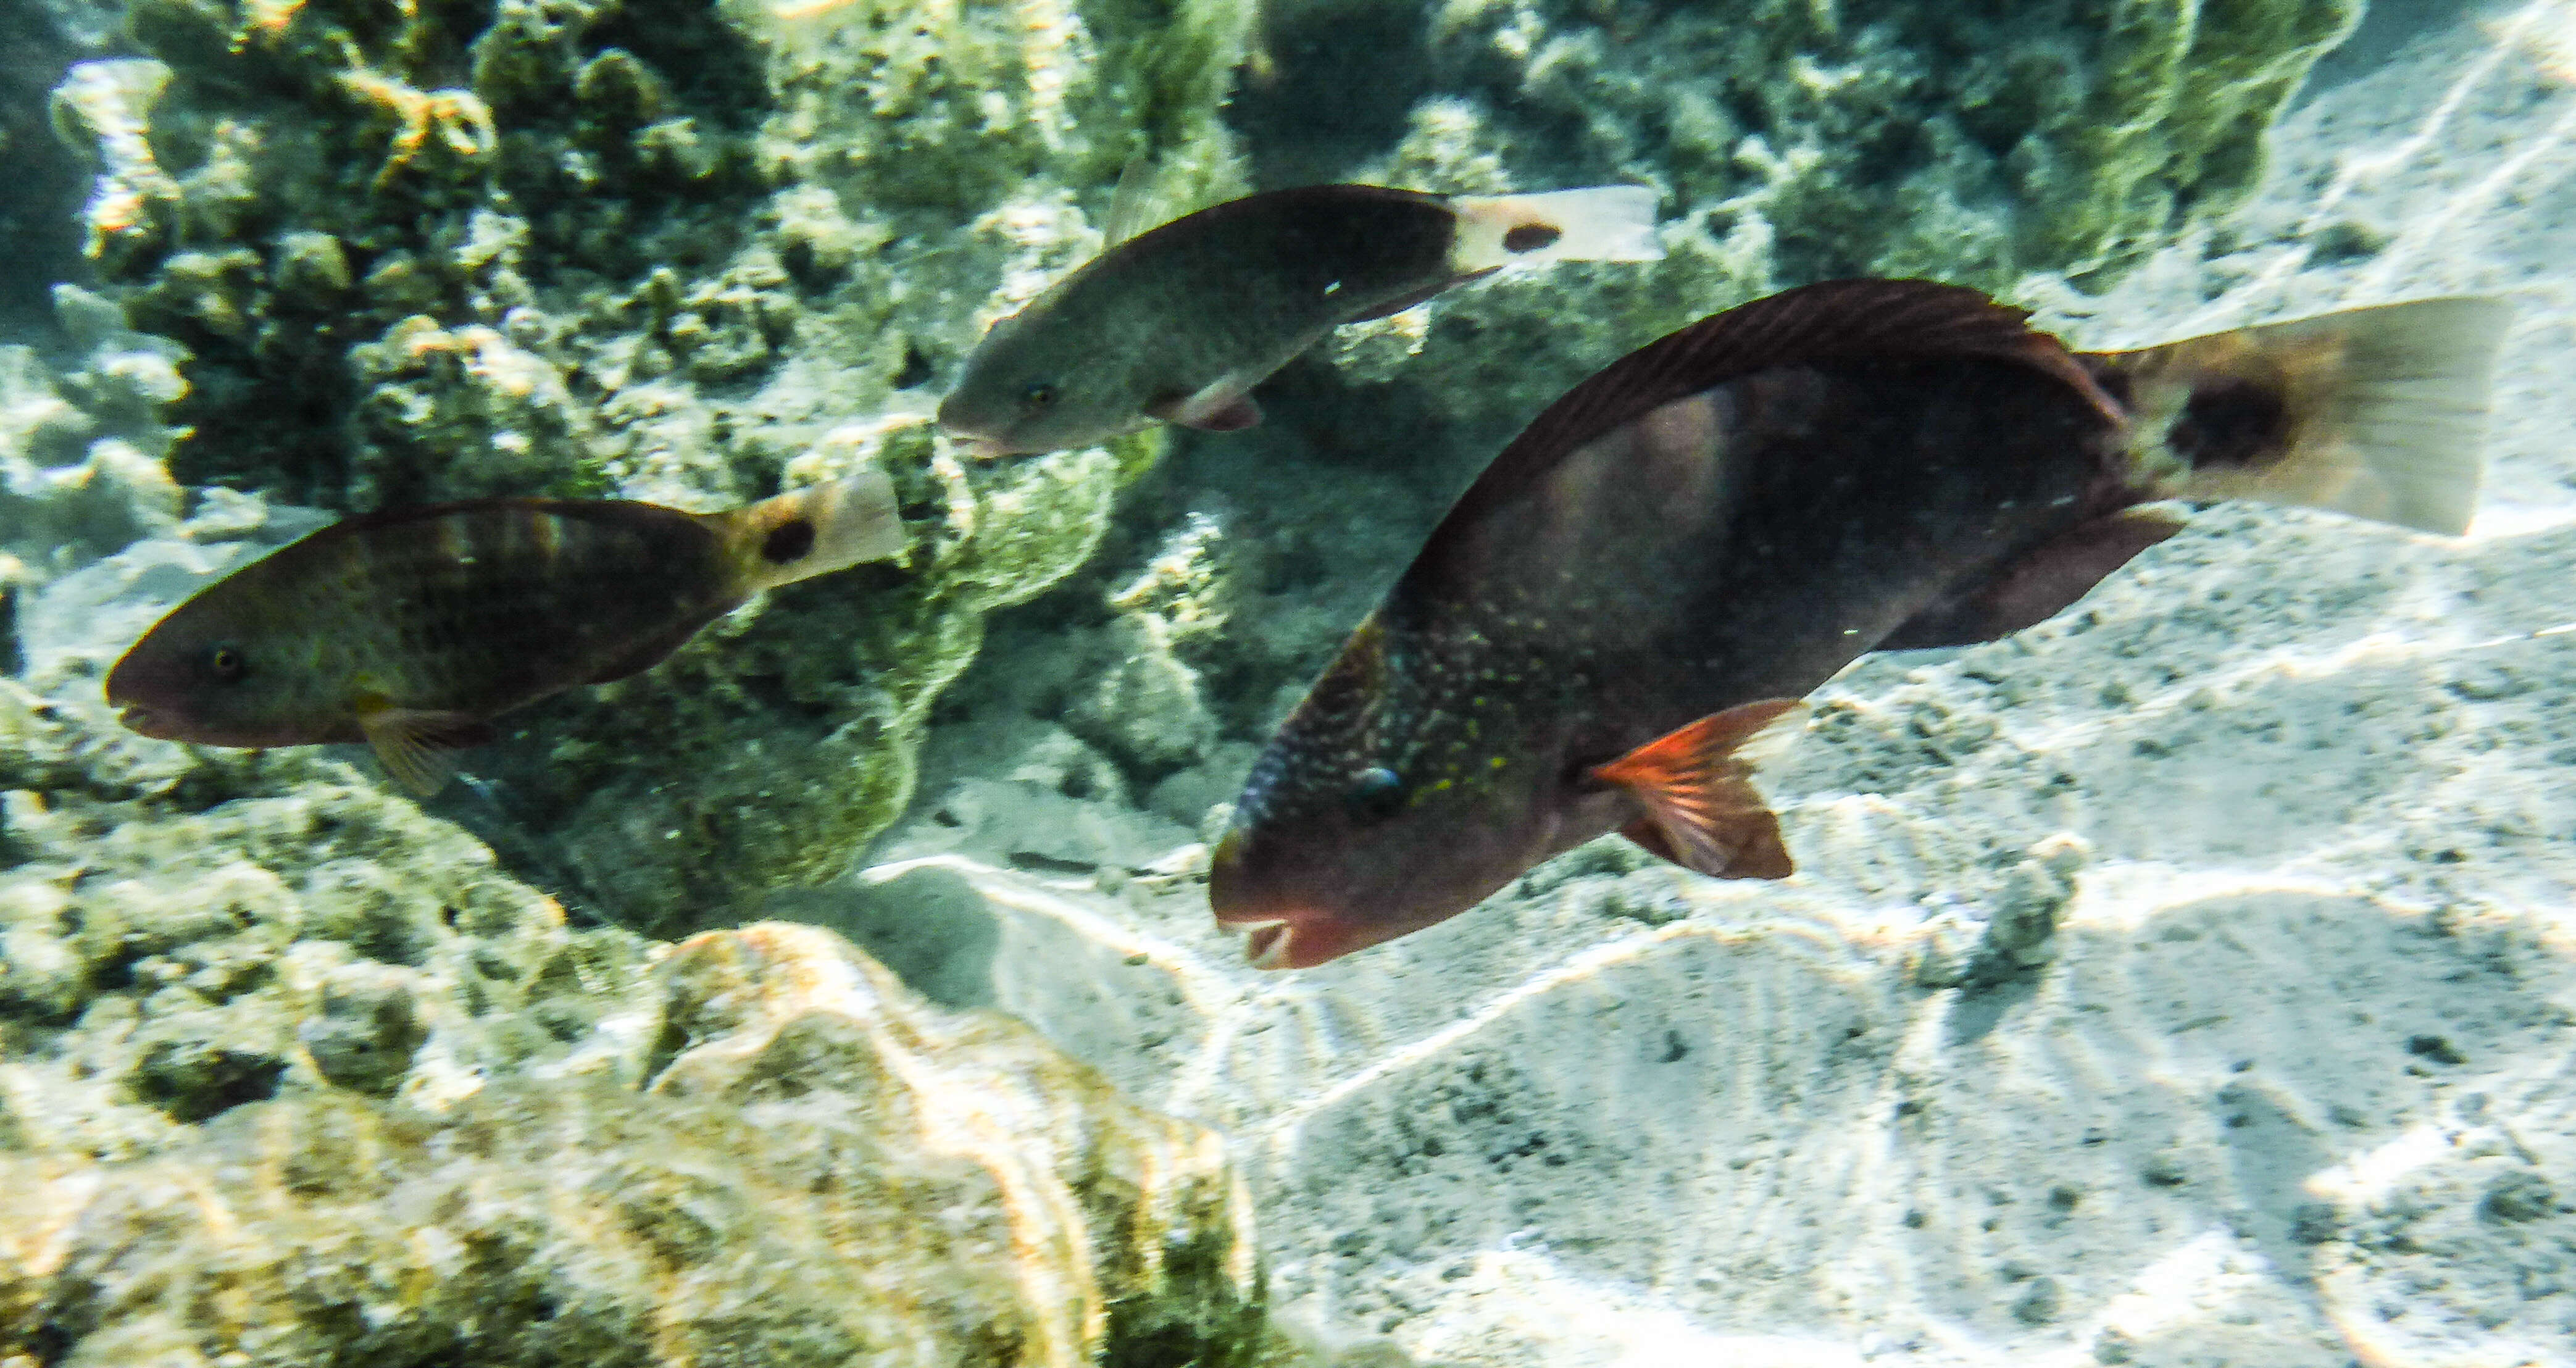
x,y
1654,572
1181,322
412,629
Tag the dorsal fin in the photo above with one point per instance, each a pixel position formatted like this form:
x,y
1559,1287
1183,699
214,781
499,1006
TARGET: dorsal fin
x,y
1131,204
1831,320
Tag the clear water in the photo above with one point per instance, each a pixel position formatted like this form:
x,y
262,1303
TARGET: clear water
x,y
2187,979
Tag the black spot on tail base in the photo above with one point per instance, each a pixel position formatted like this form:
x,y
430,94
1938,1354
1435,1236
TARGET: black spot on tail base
x,y
2229,422
1529,237
788,541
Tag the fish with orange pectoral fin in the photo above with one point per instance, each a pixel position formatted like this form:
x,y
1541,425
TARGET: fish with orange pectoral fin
x,y
1611,628
1181,322
412,629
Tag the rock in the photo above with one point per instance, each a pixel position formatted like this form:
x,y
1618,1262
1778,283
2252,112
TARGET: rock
x,y
2019,929
1144,708
823,1170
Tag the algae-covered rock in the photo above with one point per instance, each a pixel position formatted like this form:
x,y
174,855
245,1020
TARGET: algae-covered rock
x,y
290,1070
822,1170
187,932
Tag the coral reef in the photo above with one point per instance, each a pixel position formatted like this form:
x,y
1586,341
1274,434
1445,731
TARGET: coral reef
x,y
652,245
670,249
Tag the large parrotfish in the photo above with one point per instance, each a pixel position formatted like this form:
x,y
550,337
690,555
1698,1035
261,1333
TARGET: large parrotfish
x,y
411,629
1180,323
1693,539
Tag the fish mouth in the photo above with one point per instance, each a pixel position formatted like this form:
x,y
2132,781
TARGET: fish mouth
x,y
1265,944
142,721
1267,932
978,445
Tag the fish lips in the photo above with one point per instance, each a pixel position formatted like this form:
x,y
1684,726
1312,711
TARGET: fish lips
x,y
984,448
143,721
1283,931
140,676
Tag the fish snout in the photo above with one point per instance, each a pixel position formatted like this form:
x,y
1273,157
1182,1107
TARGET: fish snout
x,y
979,443
1281,930
144,722
978,446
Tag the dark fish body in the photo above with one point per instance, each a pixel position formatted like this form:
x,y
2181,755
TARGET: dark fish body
x,y
1714,526
1180,322
411,629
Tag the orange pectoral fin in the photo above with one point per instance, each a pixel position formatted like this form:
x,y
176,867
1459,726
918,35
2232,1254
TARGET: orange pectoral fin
x,y
1702,811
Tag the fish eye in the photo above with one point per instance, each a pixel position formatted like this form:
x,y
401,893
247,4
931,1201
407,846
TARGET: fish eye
x,y
1377,792
227,664
1038,396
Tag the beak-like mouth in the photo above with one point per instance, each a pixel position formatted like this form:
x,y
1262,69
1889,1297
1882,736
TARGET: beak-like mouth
x,y
143,722
1267,933
1267,945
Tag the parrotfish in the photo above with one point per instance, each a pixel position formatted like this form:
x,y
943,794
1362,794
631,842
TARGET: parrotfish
x,y
1615,623
1180,323
411,629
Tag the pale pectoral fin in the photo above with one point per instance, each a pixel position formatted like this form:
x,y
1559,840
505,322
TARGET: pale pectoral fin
x,y
2039,585
1224,406
413,745
1702,811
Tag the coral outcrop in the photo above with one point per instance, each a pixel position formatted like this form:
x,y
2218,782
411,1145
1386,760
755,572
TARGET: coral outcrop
x,y
81,451
292,1072
38,39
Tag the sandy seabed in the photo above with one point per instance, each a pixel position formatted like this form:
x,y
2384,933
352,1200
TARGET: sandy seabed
x,y
2292,1083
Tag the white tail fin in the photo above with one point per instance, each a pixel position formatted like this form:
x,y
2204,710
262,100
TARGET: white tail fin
x,y
813,531
2379,413
1604,223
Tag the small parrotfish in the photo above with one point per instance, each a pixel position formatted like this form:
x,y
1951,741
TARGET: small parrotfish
x,y
411,629
1614,624
1181,322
